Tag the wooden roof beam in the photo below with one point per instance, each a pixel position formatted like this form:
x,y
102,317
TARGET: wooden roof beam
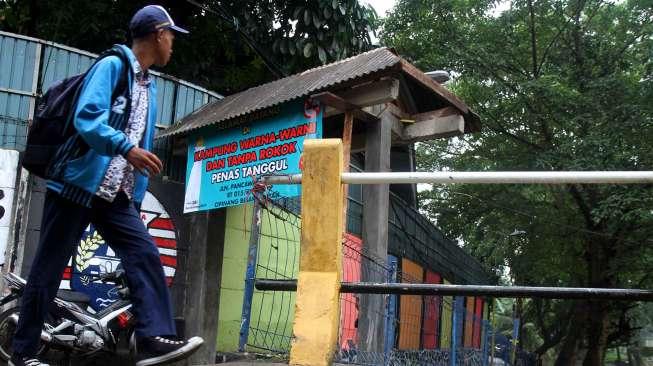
x,y
372,93
338,103
440,90
441,123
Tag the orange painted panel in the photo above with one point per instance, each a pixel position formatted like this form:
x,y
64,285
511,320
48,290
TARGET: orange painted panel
x,y
410,306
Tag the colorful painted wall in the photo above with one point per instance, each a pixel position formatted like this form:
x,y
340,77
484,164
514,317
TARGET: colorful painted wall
x,y
278,257
234,263
421,322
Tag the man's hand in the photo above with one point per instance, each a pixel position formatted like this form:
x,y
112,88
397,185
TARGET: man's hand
x,y
144,161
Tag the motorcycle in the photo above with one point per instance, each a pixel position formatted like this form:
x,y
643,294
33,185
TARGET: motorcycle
x,y
73,333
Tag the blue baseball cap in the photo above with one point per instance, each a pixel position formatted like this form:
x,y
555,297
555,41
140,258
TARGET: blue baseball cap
x,y
151,19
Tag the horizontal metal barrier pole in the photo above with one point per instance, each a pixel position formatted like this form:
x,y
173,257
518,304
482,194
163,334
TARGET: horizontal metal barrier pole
x,y
594,177
282,179
472,290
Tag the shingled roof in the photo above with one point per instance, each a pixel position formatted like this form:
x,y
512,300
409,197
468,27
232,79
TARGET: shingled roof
x,y
369,65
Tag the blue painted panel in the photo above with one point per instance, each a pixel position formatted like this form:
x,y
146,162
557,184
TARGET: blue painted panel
x,y
48,67
14,111
61,60
85,63
159,100
29,74
390,322
59,64
190,102
17,59
199,101
165,96
13,133
182,95
6,56
14,105
18,64
184,100
73,64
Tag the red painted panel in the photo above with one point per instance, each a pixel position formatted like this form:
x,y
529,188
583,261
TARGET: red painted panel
x,y
351,272
478,321
431,325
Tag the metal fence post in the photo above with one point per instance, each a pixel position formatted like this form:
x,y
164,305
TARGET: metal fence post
x,y
250,275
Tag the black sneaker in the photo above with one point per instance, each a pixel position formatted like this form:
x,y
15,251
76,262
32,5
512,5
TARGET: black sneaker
x,y
17,360
158,350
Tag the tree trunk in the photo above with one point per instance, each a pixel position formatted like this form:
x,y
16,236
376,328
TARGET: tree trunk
x,y
597,334
599,256
572,341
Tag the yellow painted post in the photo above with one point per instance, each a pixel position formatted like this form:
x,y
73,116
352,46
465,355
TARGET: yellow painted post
x,y
317,313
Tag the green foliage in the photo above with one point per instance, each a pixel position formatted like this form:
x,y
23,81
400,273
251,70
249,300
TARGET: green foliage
x,y
322,31
559,85
294,35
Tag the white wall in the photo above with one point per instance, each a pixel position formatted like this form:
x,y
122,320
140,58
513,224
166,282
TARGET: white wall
x,y
8,171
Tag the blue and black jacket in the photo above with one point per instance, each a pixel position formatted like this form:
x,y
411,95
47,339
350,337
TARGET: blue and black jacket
x,y
101,124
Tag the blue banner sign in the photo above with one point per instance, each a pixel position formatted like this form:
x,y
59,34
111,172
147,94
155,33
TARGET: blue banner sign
x,y
223,164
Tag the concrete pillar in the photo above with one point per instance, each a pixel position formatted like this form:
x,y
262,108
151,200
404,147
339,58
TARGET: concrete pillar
x,y
317,305
375,232
206,244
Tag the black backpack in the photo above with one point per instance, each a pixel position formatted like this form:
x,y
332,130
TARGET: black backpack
x,y
53,125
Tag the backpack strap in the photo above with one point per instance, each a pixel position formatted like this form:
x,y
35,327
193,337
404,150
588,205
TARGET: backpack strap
x,y
124,75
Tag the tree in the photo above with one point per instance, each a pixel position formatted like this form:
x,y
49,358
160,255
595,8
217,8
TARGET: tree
x,y
232,46
559,85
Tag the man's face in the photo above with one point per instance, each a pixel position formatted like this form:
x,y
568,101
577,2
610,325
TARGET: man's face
x,y
164,40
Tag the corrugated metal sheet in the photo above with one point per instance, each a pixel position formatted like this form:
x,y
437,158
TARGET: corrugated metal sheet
x,y
188,100
17,63
61,63
20,56
13,133
17,59
288,88
165,94
15,106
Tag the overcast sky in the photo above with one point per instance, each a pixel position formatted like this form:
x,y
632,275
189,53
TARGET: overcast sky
x,y
381,6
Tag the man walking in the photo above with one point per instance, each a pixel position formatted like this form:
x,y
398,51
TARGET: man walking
x,y
103,186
